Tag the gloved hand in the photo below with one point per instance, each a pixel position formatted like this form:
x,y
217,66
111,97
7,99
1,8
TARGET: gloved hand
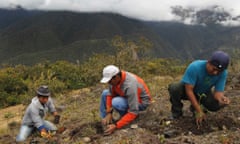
x,y
56,119
45,134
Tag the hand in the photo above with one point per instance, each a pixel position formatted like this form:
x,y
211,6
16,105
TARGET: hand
x,y
45,134
200,117
223,100
56,119
110,129
108,119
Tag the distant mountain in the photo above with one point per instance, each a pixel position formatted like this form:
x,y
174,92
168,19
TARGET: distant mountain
x,y
28,37
57,35
10,16
197,41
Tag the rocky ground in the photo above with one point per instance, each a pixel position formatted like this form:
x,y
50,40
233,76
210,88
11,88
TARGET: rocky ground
x,y
80,117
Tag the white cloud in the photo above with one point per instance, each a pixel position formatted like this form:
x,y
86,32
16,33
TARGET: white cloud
x,y
140,9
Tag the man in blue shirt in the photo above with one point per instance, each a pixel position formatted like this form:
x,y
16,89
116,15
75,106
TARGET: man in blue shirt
x,y
203,84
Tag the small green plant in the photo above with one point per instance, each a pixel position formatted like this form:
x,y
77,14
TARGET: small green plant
x,y
161,138
9,115
201,96
225,139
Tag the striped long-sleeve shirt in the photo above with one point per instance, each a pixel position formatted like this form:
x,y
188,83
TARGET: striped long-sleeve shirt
x,y
134,89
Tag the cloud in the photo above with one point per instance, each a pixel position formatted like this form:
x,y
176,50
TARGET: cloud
x,y
156,10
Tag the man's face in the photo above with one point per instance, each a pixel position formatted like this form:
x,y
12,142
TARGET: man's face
x,y
213,70
43,99
115,80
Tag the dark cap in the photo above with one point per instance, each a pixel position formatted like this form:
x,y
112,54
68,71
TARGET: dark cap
x,y
43,91
220,60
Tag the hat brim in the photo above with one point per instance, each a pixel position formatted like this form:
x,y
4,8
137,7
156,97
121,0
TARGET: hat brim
x,y
44,94
105,80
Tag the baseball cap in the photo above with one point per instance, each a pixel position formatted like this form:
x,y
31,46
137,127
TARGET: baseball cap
x,y
43,91
108,72
220,60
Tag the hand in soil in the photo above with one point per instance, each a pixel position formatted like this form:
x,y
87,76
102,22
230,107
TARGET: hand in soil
x,y
200,117
110,129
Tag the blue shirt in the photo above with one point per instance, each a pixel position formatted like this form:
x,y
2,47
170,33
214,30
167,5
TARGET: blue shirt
x,y
196,75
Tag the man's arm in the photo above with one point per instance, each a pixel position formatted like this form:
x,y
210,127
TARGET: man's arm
x,y
219,88
219,96
199,115
192,97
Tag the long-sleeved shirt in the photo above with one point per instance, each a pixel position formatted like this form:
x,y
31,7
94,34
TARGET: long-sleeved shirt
x,y
35,112
134,89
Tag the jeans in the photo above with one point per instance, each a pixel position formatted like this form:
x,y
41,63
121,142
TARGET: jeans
x,y
26,130
118,103
177,93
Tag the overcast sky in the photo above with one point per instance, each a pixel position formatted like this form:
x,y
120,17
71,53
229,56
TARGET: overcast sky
x,y
140,9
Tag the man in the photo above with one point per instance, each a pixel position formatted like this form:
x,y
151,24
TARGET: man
x,y
128,94
33,117
203,84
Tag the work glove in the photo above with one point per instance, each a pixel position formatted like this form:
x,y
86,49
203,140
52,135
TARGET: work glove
x,y
45,134
56,119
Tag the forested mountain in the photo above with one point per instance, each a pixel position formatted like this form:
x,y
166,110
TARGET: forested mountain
x,y
28,37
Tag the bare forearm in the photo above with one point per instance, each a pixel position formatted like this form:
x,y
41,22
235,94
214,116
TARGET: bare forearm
x,y
192,97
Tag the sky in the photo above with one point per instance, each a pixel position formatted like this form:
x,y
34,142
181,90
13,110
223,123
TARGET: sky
x,y
156,10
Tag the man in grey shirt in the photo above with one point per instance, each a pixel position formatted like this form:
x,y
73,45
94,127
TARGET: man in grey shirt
x,y
34,115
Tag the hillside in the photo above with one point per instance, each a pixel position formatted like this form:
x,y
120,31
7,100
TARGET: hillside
x,y
56,35
196,41
29,37
80,115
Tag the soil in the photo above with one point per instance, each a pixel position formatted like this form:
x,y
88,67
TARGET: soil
x,y
10,114
80,117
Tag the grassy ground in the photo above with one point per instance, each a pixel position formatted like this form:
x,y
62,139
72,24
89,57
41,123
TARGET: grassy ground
x,y
80,115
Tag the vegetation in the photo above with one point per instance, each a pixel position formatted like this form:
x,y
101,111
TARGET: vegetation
x,y
29,37
74,85
17,83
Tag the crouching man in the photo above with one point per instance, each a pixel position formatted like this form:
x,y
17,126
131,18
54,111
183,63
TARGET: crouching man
x,y
127,94
34,115
203,84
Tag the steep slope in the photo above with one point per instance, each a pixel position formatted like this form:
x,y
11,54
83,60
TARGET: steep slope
x,y
29,37
9,16
197,41
54,32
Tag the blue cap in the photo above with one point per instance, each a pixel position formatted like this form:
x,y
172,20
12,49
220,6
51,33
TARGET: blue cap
x,y
220,60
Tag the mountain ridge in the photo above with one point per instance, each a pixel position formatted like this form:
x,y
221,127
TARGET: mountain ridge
x,y
48,34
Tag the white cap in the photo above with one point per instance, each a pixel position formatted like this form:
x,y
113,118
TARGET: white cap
x,y
108,72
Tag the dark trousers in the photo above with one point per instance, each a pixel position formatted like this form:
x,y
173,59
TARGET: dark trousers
x,y
177,94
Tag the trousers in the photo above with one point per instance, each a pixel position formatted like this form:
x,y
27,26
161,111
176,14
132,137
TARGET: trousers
x,y
26,130
177,94
119,103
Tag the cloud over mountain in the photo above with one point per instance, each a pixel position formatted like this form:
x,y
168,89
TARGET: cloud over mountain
x,y
218,11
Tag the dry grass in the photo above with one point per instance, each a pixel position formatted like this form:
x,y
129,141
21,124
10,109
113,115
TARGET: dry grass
x,y
80,115
10,115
